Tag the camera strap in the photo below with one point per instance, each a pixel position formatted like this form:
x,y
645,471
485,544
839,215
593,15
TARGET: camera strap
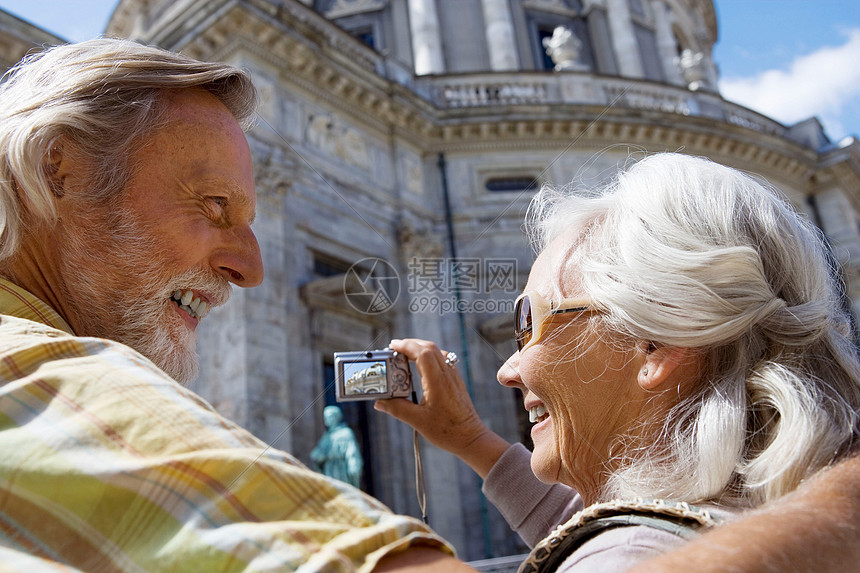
x,y
420,490
419,478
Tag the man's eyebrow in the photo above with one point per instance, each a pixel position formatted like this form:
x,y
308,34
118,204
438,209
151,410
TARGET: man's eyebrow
x,y
235,194
239,196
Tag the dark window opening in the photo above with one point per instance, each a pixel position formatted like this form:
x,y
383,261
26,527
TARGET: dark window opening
x,y
365,35
512,184
546,61
326,266
649,52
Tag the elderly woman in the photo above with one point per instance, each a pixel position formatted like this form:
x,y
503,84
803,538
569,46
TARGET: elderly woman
x,y
681,338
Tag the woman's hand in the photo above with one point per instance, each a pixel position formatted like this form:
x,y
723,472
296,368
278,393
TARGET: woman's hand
x,y
446,416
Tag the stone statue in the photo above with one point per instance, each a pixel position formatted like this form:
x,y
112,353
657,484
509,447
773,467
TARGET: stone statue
x,y
337,454
692,66
564,48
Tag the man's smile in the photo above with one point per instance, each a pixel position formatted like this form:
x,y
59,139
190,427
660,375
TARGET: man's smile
x,y
194,305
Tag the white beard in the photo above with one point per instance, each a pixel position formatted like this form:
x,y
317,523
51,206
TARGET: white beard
x,y
124,295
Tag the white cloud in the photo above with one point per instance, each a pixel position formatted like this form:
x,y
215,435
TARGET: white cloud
x,y
823,83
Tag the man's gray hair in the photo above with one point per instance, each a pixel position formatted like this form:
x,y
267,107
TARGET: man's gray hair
x,y
101,95
682,251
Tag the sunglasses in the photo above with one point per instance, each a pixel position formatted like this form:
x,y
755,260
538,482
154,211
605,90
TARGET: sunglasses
x,y
531,311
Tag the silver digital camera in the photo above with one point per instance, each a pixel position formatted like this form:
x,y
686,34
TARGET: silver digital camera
x,y
371,375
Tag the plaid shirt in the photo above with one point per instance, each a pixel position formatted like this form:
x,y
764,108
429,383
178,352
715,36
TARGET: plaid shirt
x,y
108,464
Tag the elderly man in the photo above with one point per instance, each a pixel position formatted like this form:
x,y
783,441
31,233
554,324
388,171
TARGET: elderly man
x,y
127,197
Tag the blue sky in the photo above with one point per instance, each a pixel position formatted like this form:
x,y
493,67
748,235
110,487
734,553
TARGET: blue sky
x,y
788,59
791,59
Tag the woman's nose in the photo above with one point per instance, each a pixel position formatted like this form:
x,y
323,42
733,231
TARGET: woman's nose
x,y
509,373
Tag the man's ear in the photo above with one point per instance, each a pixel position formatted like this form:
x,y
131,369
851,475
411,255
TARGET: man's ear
x,y
62,165
55,170
664,363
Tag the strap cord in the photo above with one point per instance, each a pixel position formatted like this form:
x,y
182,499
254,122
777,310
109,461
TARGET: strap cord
x,y
420,489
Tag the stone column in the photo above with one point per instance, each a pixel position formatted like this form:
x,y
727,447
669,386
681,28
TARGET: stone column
x,y
838,220
666,43
426,39
624,39
500,35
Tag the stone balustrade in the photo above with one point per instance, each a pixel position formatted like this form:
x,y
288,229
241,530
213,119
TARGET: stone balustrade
x,y
486,93
479,90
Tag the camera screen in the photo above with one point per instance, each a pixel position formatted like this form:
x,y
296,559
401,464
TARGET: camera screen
x,y
365,377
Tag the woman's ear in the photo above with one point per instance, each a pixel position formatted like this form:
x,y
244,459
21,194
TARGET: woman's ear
x,y
664,363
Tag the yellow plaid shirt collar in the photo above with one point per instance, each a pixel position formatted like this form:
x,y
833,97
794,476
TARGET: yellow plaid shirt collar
x,y
17,302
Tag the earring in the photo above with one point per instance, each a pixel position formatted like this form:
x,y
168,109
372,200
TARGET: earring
x,y
644,372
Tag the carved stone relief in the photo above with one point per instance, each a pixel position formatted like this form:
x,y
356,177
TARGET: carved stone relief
x,y
267,108
273,174
328,135
417,241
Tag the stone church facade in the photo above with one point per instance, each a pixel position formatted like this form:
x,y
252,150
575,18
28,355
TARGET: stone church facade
x,y
397,147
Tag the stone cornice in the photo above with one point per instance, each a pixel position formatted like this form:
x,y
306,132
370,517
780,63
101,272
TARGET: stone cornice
x,y
326,35
840,168
26,33
317,57
18,38
327,294
326,74
594,129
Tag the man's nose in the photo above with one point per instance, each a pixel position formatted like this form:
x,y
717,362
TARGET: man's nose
x,y
240,262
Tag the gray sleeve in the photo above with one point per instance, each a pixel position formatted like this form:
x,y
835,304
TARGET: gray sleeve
x,y
617,550
531,507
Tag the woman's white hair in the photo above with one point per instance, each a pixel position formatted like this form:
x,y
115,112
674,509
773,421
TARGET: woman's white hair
x,y
102,96
682,251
